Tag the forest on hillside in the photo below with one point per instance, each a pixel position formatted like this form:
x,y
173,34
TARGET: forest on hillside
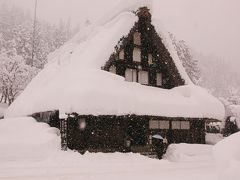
x,y
24,49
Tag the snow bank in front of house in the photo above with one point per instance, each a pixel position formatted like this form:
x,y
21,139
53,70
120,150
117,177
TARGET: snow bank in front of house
x,y
23,139
73,82
188,152
227,157
213,138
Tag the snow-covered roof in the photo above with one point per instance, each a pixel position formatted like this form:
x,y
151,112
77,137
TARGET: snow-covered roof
x,y
73,81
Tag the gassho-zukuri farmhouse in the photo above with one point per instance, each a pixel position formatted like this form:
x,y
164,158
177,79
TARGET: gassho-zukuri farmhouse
x,y
115,85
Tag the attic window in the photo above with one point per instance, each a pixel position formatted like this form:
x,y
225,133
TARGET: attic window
x,y
143,77
121,55
131,75
159,79
137,38
112,69
150,59
136,55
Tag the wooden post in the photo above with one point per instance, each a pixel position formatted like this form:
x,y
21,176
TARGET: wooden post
x,y
64,131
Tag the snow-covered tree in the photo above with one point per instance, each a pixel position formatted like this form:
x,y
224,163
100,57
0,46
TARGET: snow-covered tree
x,y
16,48
187,58
14,75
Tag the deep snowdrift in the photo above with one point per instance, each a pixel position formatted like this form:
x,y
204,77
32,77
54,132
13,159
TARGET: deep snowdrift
x,y
25,139
227,156
188,152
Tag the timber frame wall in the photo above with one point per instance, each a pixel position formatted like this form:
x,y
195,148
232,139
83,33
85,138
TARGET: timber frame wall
x,y
151,43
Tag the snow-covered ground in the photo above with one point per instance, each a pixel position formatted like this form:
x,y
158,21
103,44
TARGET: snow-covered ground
x,y
106,166
30,150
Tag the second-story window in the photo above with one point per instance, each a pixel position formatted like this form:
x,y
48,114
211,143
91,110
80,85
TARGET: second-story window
x,y
136,55
131,75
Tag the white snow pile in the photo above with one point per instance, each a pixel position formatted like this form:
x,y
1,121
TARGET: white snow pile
x,y
188,152
213,138
73,81
227,157
23,139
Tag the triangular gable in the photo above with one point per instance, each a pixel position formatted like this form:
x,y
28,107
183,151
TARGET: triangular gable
x,y
155,58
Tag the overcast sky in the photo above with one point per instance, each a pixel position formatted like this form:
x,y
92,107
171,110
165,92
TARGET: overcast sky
x,y
210,26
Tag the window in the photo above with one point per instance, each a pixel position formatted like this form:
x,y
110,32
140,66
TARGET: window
x,y
137,38
153,124
159,124
131,75
143,77
185,125
136,55
164,125
150,59
180,125
159,79
112,69
176,125
121,55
